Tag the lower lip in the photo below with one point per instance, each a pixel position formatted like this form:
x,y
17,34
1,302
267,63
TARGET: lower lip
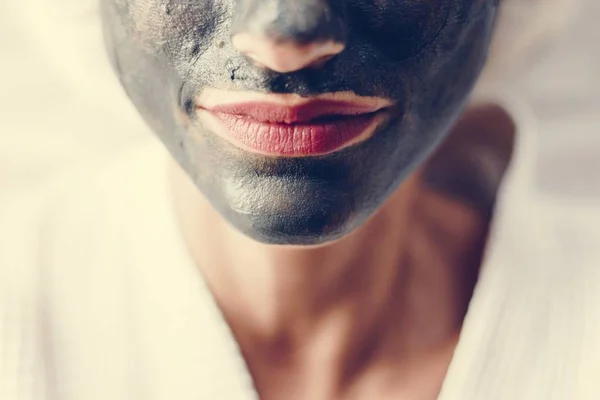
x,y
300,139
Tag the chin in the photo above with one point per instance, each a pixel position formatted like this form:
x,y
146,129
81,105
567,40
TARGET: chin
x,y
288,211
299,229
304,201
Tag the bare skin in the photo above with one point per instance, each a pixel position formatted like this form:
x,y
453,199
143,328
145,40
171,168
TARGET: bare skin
x,y
376,314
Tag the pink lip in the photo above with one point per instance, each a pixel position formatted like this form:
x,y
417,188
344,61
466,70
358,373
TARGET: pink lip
x,y
316,127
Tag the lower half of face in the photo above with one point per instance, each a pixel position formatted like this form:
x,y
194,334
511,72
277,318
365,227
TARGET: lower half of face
x,y
175,58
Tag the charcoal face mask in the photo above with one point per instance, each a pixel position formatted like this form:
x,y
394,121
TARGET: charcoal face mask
x,y
424,55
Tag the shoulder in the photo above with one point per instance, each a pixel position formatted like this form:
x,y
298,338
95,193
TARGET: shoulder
x,y
71,217
91,271
31,222
66,247
58,237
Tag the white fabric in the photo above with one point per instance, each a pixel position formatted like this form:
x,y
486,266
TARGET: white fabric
x,y
100,300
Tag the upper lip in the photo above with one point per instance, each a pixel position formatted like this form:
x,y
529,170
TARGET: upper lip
x,y
297,112
305,113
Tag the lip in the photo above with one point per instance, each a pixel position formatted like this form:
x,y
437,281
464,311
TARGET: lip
x,y
303,128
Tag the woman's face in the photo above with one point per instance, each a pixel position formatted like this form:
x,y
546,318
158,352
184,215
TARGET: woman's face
x,y
413,62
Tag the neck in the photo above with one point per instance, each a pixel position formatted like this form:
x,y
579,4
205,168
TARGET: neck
x,y
382,291
389,297
279,283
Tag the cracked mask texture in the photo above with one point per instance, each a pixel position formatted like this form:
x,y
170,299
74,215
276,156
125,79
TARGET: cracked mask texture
x,y
424,55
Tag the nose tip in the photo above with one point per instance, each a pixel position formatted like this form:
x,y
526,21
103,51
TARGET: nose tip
x,y
286,56
289,35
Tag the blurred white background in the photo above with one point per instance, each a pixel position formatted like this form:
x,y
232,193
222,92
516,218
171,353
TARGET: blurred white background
x,y
564,90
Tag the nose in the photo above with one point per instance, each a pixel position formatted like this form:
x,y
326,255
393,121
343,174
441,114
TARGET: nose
x,y
289,35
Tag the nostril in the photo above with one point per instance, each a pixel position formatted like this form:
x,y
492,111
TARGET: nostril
x,y
286,56
289,35
321,61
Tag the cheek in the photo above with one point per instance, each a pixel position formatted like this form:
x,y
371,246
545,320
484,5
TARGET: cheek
x,y
148,21
400,28
176,26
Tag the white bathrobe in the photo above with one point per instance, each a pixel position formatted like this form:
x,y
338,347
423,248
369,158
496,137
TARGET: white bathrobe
x,y
99,298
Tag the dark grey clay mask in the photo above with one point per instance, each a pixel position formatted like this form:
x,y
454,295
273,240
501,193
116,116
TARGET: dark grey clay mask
x,y
424,55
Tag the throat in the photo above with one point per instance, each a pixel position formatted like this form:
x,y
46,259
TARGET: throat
x,y
376,314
